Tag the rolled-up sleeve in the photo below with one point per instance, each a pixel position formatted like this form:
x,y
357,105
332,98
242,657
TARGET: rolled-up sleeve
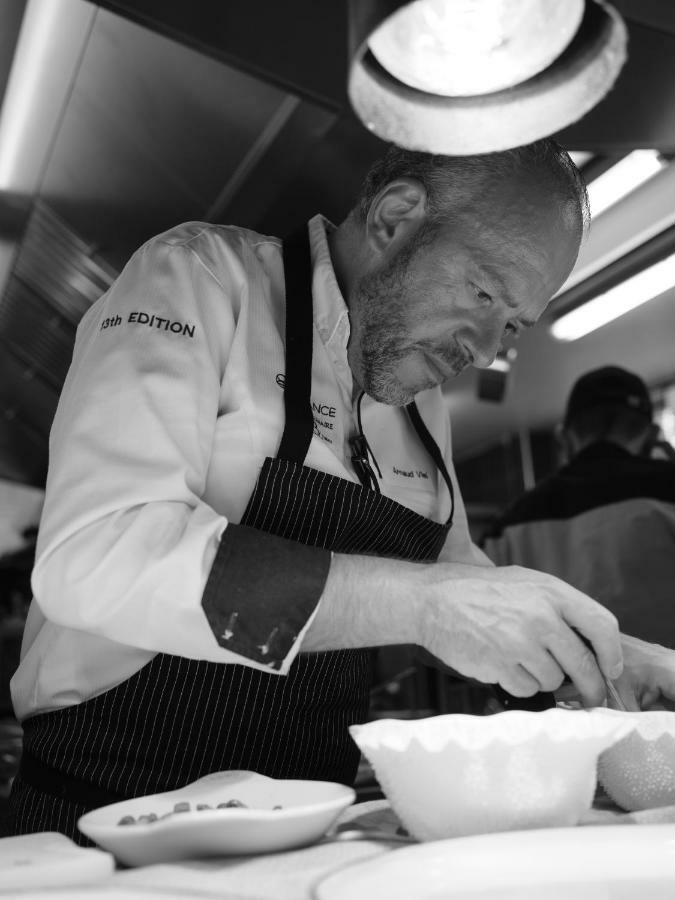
x,y
262,593
127,547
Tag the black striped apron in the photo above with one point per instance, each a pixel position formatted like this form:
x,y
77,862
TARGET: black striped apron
x,y
178,719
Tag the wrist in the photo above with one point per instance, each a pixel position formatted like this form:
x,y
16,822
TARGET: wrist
x,y
367,602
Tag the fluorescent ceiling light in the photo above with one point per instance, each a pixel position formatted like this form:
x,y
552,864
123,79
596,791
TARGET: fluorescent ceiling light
x,y
39,25
606,307
622,178
51,43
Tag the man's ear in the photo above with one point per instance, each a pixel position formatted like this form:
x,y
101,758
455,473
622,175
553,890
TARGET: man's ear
x,y
396,212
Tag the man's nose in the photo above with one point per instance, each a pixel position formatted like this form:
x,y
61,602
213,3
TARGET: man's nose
x,y
485,350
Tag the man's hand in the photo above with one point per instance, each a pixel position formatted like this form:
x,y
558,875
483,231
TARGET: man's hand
x,y
649,673
508,625
515,626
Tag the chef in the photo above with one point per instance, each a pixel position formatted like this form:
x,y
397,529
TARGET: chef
x,y
250,484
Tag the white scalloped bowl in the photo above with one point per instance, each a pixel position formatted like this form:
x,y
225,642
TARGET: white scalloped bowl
x,y
457,775
638,772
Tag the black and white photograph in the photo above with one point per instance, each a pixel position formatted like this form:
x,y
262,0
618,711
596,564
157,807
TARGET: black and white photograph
x,y
337,449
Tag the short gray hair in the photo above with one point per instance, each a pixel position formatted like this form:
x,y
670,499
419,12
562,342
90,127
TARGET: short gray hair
x,y
448,176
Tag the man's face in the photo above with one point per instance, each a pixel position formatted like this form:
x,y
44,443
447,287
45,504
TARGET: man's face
x,y
447,298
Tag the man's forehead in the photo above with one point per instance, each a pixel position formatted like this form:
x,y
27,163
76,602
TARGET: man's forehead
x,y
519,256
504,236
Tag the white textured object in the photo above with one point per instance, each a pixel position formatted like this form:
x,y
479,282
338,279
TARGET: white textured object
x,y
306,810
638,772
459,775
49,859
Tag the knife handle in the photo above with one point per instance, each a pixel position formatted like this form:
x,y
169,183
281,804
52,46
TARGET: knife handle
x,y
536,703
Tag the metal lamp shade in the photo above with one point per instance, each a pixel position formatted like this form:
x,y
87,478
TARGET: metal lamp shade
x,y
480,119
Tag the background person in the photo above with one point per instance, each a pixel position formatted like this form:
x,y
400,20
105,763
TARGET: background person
x,y
249,465
605,522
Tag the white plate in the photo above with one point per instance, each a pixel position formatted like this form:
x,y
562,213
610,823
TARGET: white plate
x,y
595,863
107,891
308,809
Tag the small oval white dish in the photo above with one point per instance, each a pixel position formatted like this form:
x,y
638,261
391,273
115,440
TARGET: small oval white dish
x,y
278,814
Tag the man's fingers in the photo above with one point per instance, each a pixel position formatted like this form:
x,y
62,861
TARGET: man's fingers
x,y
545,670
540,672
518,682
663,676
580,664
599,627
649,672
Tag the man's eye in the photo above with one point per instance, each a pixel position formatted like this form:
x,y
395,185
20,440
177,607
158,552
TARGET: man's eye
x,y
482,295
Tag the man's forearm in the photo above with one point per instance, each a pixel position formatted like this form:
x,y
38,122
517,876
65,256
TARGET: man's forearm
x,y
509,625
367,602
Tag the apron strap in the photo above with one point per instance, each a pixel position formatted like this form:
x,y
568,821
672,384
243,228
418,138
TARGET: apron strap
x,y
299,424
431,447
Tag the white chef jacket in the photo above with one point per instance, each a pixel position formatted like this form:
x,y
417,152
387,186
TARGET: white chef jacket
x,y
173,400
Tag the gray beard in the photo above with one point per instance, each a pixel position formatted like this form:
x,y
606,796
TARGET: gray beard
x,y
384,343
380,380
384,346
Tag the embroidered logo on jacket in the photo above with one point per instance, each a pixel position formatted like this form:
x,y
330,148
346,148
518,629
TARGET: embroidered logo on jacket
x,y
151,321
323,413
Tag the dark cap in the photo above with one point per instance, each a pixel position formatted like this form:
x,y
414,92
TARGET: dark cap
x,y
609,386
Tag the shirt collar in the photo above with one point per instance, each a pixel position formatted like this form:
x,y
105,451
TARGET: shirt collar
x,y
330,310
